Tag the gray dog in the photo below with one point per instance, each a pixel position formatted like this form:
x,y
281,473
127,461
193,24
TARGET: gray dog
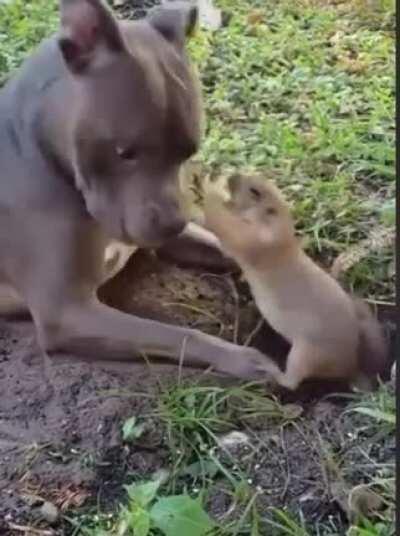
x,y
93,131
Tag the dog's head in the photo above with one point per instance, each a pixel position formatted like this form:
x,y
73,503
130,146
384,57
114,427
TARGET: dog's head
x,y
135,118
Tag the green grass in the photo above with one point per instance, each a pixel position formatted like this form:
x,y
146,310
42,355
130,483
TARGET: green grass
x,y
194,418
306,93
380,406
22,26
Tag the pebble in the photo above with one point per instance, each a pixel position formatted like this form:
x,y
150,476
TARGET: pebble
x,y
233,439
49,512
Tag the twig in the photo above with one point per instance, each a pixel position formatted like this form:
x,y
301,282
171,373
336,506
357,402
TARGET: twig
x,y
152,370
253,333
380,302
30,530
288,475
203,373
237,310
195,309
181,358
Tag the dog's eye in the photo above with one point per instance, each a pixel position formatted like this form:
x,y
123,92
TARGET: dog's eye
x,y
126,153
270,211
255,193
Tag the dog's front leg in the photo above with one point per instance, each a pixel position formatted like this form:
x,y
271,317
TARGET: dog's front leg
x,y
61,292
93,330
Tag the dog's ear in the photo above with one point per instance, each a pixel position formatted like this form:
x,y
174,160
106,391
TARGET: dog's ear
x,y
175,20
88,33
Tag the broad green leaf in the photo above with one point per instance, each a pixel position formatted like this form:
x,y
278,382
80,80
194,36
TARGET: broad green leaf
x,y
143,494
140,522
180,515
195,470
123,524
137,520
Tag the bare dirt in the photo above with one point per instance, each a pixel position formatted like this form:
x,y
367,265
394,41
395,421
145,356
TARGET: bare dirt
x,y
60,425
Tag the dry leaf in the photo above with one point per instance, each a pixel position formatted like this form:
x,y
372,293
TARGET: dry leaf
x,y
292,411
381,238
352,66
256,16
363,501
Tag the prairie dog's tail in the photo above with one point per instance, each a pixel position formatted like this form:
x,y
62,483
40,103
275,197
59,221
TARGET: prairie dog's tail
x,y
373,347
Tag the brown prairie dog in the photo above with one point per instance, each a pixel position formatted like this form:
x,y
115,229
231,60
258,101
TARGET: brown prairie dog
x,y
333,336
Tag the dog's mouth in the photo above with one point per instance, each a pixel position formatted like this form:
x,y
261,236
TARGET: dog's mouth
x,y
144,241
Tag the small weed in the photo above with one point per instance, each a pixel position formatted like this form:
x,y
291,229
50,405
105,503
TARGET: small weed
x,y
147,513
379,405
194,417
369,528
22,26
305,91
132,430
286,524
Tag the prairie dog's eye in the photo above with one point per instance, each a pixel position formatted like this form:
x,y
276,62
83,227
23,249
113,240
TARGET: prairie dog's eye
x,y
126,153
270,211
255,193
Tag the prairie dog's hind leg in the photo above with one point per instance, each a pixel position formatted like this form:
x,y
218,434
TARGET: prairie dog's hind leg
x,y
300,365
307,361
304,362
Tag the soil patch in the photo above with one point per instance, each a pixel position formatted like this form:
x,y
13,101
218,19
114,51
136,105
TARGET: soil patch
x,y
60,425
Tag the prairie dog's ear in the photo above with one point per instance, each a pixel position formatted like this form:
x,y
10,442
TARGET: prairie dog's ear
x,y
88,34
175,21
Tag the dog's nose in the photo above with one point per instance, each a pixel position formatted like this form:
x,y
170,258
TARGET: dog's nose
x,y
173,227
166,224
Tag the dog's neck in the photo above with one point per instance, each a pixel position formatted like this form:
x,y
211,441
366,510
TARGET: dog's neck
x,y
55,125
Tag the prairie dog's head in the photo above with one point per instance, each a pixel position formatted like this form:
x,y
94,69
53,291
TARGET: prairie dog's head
x,y
254,218
258,201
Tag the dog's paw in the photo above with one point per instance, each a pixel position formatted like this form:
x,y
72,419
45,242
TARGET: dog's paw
x,y
250,364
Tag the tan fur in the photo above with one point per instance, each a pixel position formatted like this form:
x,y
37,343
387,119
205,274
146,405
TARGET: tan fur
x,y
11,304
332,335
